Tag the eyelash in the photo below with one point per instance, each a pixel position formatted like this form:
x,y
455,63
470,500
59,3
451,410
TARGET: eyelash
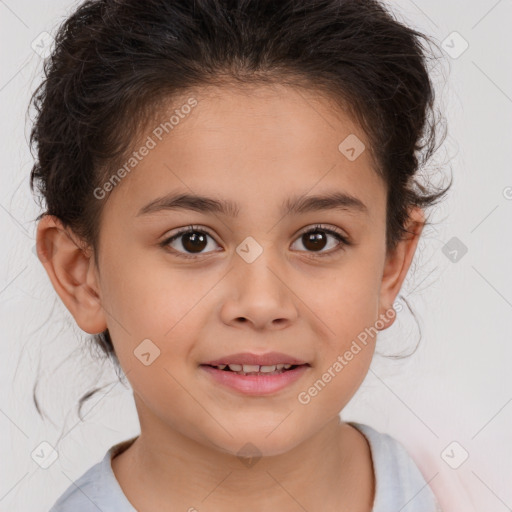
x,y
343,240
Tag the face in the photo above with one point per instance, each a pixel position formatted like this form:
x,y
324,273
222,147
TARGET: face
x,y
249,277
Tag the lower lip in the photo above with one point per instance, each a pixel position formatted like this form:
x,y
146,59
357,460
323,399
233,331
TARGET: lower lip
x,y
256,384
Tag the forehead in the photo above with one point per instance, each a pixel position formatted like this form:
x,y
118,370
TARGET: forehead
x,y
257,147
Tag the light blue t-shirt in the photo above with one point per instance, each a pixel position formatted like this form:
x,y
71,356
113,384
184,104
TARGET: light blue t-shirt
x,y
399,485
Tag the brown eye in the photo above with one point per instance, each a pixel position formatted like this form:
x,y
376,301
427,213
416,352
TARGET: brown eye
x,y
317,239
189,242
194,241
314,240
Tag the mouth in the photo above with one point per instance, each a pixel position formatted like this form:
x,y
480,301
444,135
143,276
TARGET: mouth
x,y
261,370
255,380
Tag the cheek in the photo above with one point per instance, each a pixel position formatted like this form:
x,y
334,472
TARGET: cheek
x,y
347,347
149,299
335,383
153,333
345,299
346,305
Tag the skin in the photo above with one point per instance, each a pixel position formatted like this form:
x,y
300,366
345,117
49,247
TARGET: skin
x,y
258,150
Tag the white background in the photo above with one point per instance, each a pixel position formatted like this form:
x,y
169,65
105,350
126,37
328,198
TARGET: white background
x,y
456,387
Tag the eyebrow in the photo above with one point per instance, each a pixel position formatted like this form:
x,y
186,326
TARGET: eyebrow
x,y
295,205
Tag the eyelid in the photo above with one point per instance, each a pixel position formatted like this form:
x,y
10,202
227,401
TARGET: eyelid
x,y
326,228
189,228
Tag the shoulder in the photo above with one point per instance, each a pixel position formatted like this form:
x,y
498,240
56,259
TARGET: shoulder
x,y
97,489
398,481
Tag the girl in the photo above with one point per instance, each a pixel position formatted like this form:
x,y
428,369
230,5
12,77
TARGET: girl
x,y
232,208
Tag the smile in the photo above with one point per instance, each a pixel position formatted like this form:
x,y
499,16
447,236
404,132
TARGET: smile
x,y
255,379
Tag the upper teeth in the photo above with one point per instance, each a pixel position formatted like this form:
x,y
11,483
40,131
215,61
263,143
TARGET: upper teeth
x,y
247,368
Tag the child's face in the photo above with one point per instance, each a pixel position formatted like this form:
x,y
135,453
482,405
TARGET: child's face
x,y
259,151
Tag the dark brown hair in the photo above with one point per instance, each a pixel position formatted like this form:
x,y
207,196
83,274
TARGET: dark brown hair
x,y
115,62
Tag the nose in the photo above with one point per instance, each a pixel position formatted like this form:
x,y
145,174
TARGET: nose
x,y
259,296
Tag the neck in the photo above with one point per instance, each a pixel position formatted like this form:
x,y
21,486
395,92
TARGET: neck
x,y
164,466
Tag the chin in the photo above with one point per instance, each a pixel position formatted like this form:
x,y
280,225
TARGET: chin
x,y
255,445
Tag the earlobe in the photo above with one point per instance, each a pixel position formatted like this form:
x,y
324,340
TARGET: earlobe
x,y
397,265
72,273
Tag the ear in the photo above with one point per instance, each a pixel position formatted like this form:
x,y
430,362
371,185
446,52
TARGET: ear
x,y
72,272
397,265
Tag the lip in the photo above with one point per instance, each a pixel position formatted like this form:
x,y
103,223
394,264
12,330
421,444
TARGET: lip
x,y
268,359
256,384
